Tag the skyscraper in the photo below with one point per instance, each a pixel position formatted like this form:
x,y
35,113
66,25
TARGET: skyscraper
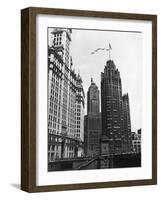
x,y
65,95
92,126
93,105
79,109
116,125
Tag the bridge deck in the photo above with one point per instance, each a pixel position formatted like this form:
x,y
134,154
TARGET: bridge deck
x,y
97,162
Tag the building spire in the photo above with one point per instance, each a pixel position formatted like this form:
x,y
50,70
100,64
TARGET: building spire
x,y
109,49
91,80
78,72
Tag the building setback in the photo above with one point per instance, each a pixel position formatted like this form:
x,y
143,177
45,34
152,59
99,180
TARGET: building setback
x,y
92,122
65,99
116,125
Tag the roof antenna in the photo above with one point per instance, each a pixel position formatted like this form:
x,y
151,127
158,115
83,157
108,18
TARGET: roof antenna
x,y
110,48
91,80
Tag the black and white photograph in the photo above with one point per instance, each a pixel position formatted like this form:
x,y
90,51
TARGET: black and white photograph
x,y
94,99
89,99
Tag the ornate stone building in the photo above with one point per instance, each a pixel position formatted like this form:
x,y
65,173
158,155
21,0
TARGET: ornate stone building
x,y
65,99
116,125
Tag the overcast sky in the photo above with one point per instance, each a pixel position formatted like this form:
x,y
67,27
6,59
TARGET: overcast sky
x,y
126,54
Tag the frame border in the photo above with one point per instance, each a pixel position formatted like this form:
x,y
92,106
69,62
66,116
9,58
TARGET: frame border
x,y
28,98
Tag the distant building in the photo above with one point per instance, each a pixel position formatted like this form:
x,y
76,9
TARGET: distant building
x,y
92,122
79,113
93,105
127,140
136,141
65,99
116,124
79,109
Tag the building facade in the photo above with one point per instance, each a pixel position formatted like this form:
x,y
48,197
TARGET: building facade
x,y
116,124
92,126
127,144
65,94
136,141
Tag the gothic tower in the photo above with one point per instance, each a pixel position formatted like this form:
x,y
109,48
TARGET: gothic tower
x,y
112,105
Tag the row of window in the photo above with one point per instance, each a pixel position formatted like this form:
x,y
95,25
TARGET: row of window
x,y
57,39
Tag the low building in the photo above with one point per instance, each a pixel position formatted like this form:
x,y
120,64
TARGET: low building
x,y
136,141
